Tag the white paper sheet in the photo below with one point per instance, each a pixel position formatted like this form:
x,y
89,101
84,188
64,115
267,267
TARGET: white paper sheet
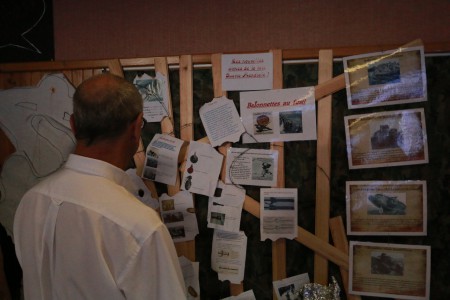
x,y
278,115
161,159
228,255
178,215
221,121
251,167
278,213
225,207
36,121
244,72
155,94
247,295
202,169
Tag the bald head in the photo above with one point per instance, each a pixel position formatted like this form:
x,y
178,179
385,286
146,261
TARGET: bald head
x,y
103,106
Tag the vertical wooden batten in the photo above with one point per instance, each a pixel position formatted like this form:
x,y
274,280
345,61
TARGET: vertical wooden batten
x,y
216,61
340,241
323,166
278,246
187,130
167,123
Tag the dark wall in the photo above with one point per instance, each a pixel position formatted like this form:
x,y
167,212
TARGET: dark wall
x,y
101,29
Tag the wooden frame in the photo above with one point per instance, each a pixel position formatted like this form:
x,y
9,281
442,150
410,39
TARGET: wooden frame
x,y
12,75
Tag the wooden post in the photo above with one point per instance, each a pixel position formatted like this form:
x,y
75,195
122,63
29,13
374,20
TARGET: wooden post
x,y
340,241
167,126
216,61
115,67
323,166
186,131
278,246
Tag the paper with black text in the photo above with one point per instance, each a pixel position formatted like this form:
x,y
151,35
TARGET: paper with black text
x,y
278,213
228,255
251,166
161,159
221,121
278,115
225,207
178,213
202,169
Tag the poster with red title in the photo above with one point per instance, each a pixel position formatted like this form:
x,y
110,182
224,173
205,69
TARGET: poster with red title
x,y
278,115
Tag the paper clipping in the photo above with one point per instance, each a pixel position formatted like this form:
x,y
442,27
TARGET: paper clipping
x,y
202,169
225,207
178,215
221,121
245,72
390,138
161,159
251,167
290,288
190,272
278,115
389,270
386,207
229,250
155,94
386,78
278,213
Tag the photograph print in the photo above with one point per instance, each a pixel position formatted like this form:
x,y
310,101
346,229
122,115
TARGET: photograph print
x,y
385,78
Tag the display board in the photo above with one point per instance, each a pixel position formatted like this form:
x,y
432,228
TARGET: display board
x,y
300,168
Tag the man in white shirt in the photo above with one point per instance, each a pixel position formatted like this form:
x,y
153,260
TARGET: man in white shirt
x,y
80,233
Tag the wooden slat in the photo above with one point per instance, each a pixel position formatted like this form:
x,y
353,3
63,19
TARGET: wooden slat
x,y
115,67
186,98
77,77
306,238
278,246
167,126
329,87
186,132
36,77
216,60
60,65
87,73
323,166
340,241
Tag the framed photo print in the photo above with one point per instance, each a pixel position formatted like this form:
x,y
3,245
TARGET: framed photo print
x,y
389,270
389,138
386,207
386,78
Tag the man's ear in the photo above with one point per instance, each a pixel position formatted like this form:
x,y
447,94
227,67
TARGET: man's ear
x,y
137,127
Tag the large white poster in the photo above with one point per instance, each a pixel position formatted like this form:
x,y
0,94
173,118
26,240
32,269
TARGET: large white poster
x,y
278,115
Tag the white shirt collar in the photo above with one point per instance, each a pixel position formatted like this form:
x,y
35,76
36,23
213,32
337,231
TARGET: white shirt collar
x,y
101,168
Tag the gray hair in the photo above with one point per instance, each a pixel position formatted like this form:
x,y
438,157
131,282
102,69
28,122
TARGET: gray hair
x,y
103,106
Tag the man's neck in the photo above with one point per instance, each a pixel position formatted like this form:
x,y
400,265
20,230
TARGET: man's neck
x,y
114,152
